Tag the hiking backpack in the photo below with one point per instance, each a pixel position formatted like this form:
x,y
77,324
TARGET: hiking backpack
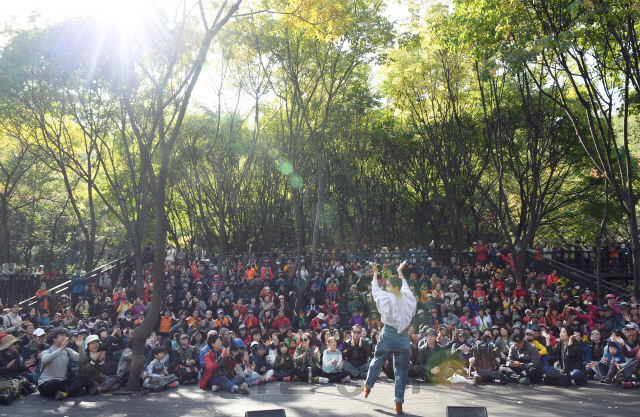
x,y
483,354
625,374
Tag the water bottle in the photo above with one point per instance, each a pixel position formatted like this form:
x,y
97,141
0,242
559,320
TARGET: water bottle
x,y
310,374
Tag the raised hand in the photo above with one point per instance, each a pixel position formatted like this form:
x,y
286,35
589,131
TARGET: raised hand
x,y
64,343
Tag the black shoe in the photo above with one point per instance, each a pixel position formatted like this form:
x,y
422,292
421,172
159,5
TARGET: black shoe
x,y
477,380
503,379
6,399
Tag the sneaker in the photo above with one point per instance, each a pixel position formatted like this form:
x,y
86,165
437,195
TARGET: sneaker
x,y
114,387
477,379
363,375
627,384
244,388
257,382
82,392
296,379
596,377
524,381
322,380
503,379
272,379
60,395
94,391
215,388
174,384
287,379
346,378
605,380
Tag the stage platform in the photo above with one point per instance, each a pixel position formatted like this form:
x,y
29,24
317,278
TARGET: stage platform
x,y
331,400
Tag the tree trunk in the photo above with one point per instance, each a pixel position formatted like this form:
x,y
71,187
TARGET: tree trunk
x,y
6,232
221,222
635,251
297,205
153,312
599,244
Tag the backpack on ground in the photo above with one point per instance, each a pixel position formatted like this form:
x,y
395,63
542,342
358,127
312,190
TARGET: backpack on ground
x,y
483,359
557,378
10,387
626,373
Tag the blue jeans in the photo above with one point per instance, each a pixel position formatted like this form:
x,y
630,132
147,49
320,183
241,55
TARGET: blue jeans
x,y
229,384
578,377
390,342
281,375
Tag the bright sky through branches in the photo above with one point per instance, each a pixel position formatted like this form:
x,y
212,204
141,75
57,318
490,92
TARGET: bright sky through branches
x,y
17,14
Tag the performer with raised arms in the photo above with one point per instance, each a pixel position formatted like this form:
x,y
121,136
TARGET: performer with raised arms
x,y
396,306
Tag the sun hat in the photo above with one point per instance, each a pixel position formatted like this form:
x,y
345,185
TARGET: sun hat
x,y
92,338
7,341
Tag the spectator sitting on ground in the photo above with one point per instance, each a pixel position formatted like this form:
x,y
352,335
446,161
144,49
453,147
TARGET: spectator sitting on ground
x,y
523,362
356,354
53,381
431,355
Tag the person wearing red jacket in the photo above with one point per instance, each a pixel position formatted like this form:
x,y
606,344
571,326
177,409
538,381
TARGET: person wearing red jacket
x,y
482,253
498,282
281,321
332,291
479,292
219,365
519,291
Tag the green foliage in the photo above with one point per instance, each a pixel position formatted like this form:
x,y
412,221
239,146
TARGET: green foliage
x,y
452,144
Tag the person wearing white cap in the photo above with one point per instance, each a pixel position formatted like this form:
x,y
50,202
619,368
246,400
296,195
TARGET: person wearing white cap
x,y
95,366
34,349
397,306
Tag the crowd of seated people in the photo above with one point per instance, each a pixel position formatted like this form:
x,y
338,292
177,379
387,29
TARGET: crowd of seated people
x,y
244,326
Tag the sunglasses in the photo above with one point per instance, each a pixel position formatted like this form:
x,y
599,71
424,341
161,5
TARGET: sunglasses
x,y
183,338
357,332
304,339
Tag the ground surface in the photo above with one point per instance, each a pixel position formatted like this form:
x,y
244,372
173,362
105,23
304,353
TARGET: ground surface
x,y
342,400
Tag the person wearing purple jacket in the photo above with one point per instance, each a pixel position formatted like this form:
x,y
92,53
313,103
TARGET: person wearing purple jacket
x,y
357,318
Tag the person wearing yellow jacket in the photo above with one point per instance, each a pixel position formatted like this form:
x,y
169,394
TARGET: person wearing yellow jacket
x,y
529,336
125,305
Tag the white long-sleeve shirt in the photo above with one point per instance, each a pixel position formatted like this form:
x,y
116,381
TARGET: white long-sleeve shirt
x,y
393,312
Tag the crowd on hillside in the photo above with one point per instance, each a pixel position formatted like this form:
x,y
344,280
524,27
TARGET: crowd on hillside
x,y
239,327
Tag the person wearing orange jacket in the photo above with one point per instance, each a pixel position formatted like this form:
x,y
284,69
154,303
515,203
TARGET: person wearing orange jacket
x,y
43,296
194,321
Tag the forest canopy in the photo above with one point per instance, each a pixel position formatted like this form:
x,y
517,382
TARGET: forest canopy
x,y
327,125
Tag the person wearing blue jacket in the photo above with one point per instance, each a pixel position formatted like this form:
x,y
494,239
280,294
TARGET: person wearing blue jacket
x,y
258,357
612,361
77,280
